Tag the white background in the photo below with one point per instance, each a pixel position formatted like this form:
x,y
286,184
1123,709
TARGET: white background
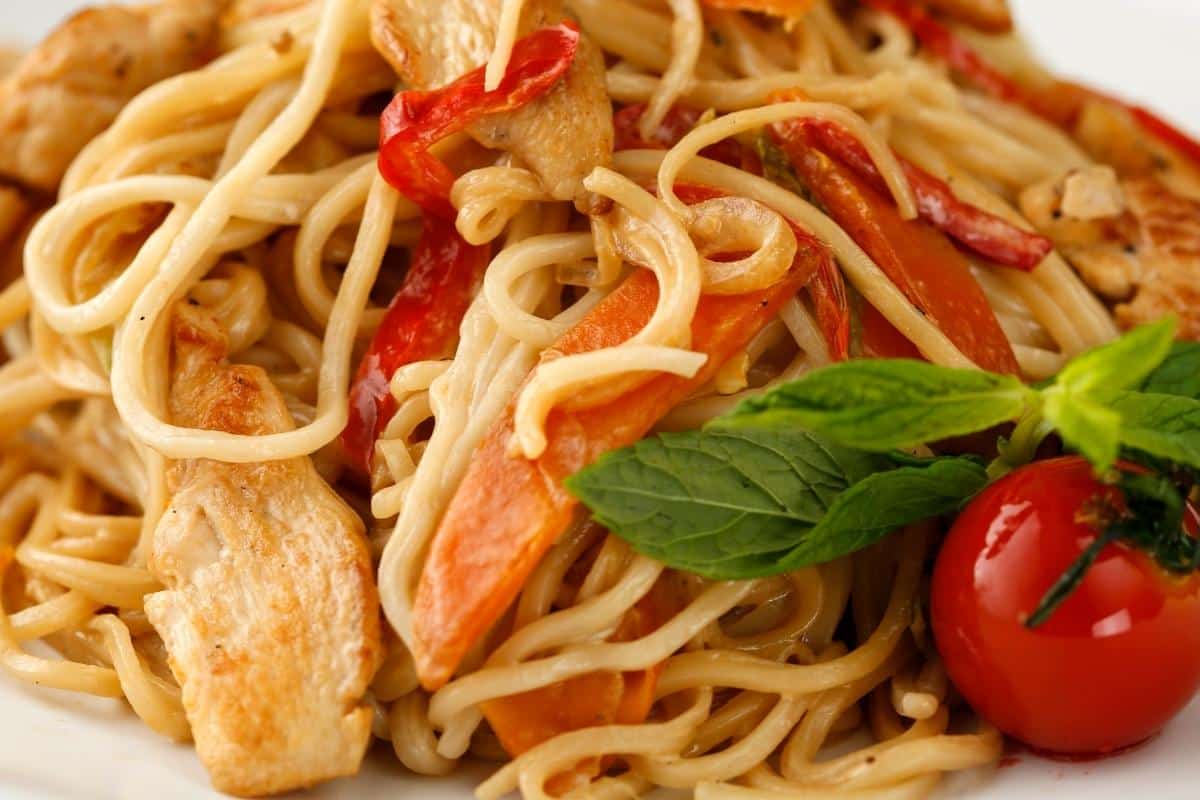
x,y
54,745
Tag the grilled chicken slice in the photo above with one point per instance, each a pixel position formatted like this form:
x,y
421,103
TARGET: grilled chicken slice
x,y
561,136
1143,254
270,614
71,86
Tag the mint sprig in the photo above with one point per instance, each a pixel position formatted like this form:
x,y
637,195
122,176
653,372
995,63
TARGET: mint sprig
x,y
809,471
747,503
885,405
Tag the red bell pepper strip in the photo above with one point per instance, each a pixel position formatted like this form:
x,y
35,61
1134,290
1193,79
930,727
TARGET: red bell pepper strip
x,y
1166,133
831,304
1059,104
415,120
509,510
420,324
679,122
879,337
986,234
918,258
423,317
943,43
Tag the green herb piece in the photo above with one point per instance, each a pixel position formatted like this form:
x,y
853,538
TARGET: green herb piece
x,y
1121,364
1086,426
887,404
1163,425
731,504
777,167
878,505
1179,374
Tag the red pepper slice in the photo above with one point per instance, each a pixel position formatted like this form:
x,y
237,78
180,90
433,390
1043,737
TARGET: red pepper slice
x,y
917,257
423,317
678,123
415,120
942,42
1049,103
879,337
421,324
831,304
977,230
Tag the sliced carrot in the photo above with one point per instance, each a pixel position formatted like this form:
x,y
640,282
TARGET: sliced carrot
x,y
919,259
509,510
523,721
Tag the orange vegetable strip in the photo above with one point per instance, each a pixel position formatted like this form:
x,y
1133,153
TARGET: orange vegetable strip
x,y
509,510
523,721
918,258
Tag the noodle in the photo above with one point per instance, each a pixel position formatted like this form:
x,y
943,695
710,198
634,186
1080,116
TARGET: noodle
x,y
250,188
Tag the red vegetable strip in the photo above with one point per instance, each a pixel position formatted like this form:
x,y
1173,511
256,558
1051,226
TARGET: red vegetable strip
x,y
678,122
879,337
963,58
915,256
421,324
942,42
423,318
831,304
976,229
414,121
1166,133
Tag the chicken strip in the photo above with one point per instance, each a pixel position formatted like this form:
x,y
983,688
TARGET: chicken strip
x,y
1136,242
270,614
561,136
71,86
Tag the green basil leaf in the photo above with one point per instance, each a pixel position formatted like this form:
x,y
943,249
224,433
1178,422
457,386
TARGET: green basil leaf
x,y
878,505
882,405
1121,364
1179,374
719,504
1163,425
1086,426
732,504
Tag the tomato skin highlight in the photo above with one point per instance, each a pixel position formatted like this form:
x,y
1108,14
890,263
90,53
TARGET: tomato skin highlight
x,y
1113,664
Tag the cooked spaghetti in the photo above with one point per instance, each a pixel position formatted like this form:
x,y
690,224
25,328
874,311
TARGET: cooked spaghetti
x,y
204,374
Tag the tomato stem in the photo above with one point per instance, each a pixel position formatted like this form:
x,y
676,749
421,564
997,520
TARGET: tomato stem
x,y
1070,580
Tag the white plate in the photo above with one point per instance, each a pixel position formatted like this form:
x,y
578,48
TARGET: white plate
x,y
56,745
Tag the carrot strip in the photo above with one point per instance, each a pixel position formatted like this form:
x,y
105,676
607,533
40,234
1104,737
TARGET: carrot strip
x,y
523,721
509,510
919,259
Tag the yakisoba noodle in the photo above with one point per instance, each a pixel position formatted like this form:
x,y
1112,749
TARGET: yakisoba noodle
x,y
272,215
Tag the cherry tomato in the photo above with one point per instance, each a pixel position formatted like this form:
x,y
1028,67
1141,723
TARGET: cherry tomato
x,y
1115,661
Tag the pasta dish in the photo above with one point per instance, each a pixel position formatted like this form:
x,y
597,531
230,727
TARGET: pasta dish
x,y
758,398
